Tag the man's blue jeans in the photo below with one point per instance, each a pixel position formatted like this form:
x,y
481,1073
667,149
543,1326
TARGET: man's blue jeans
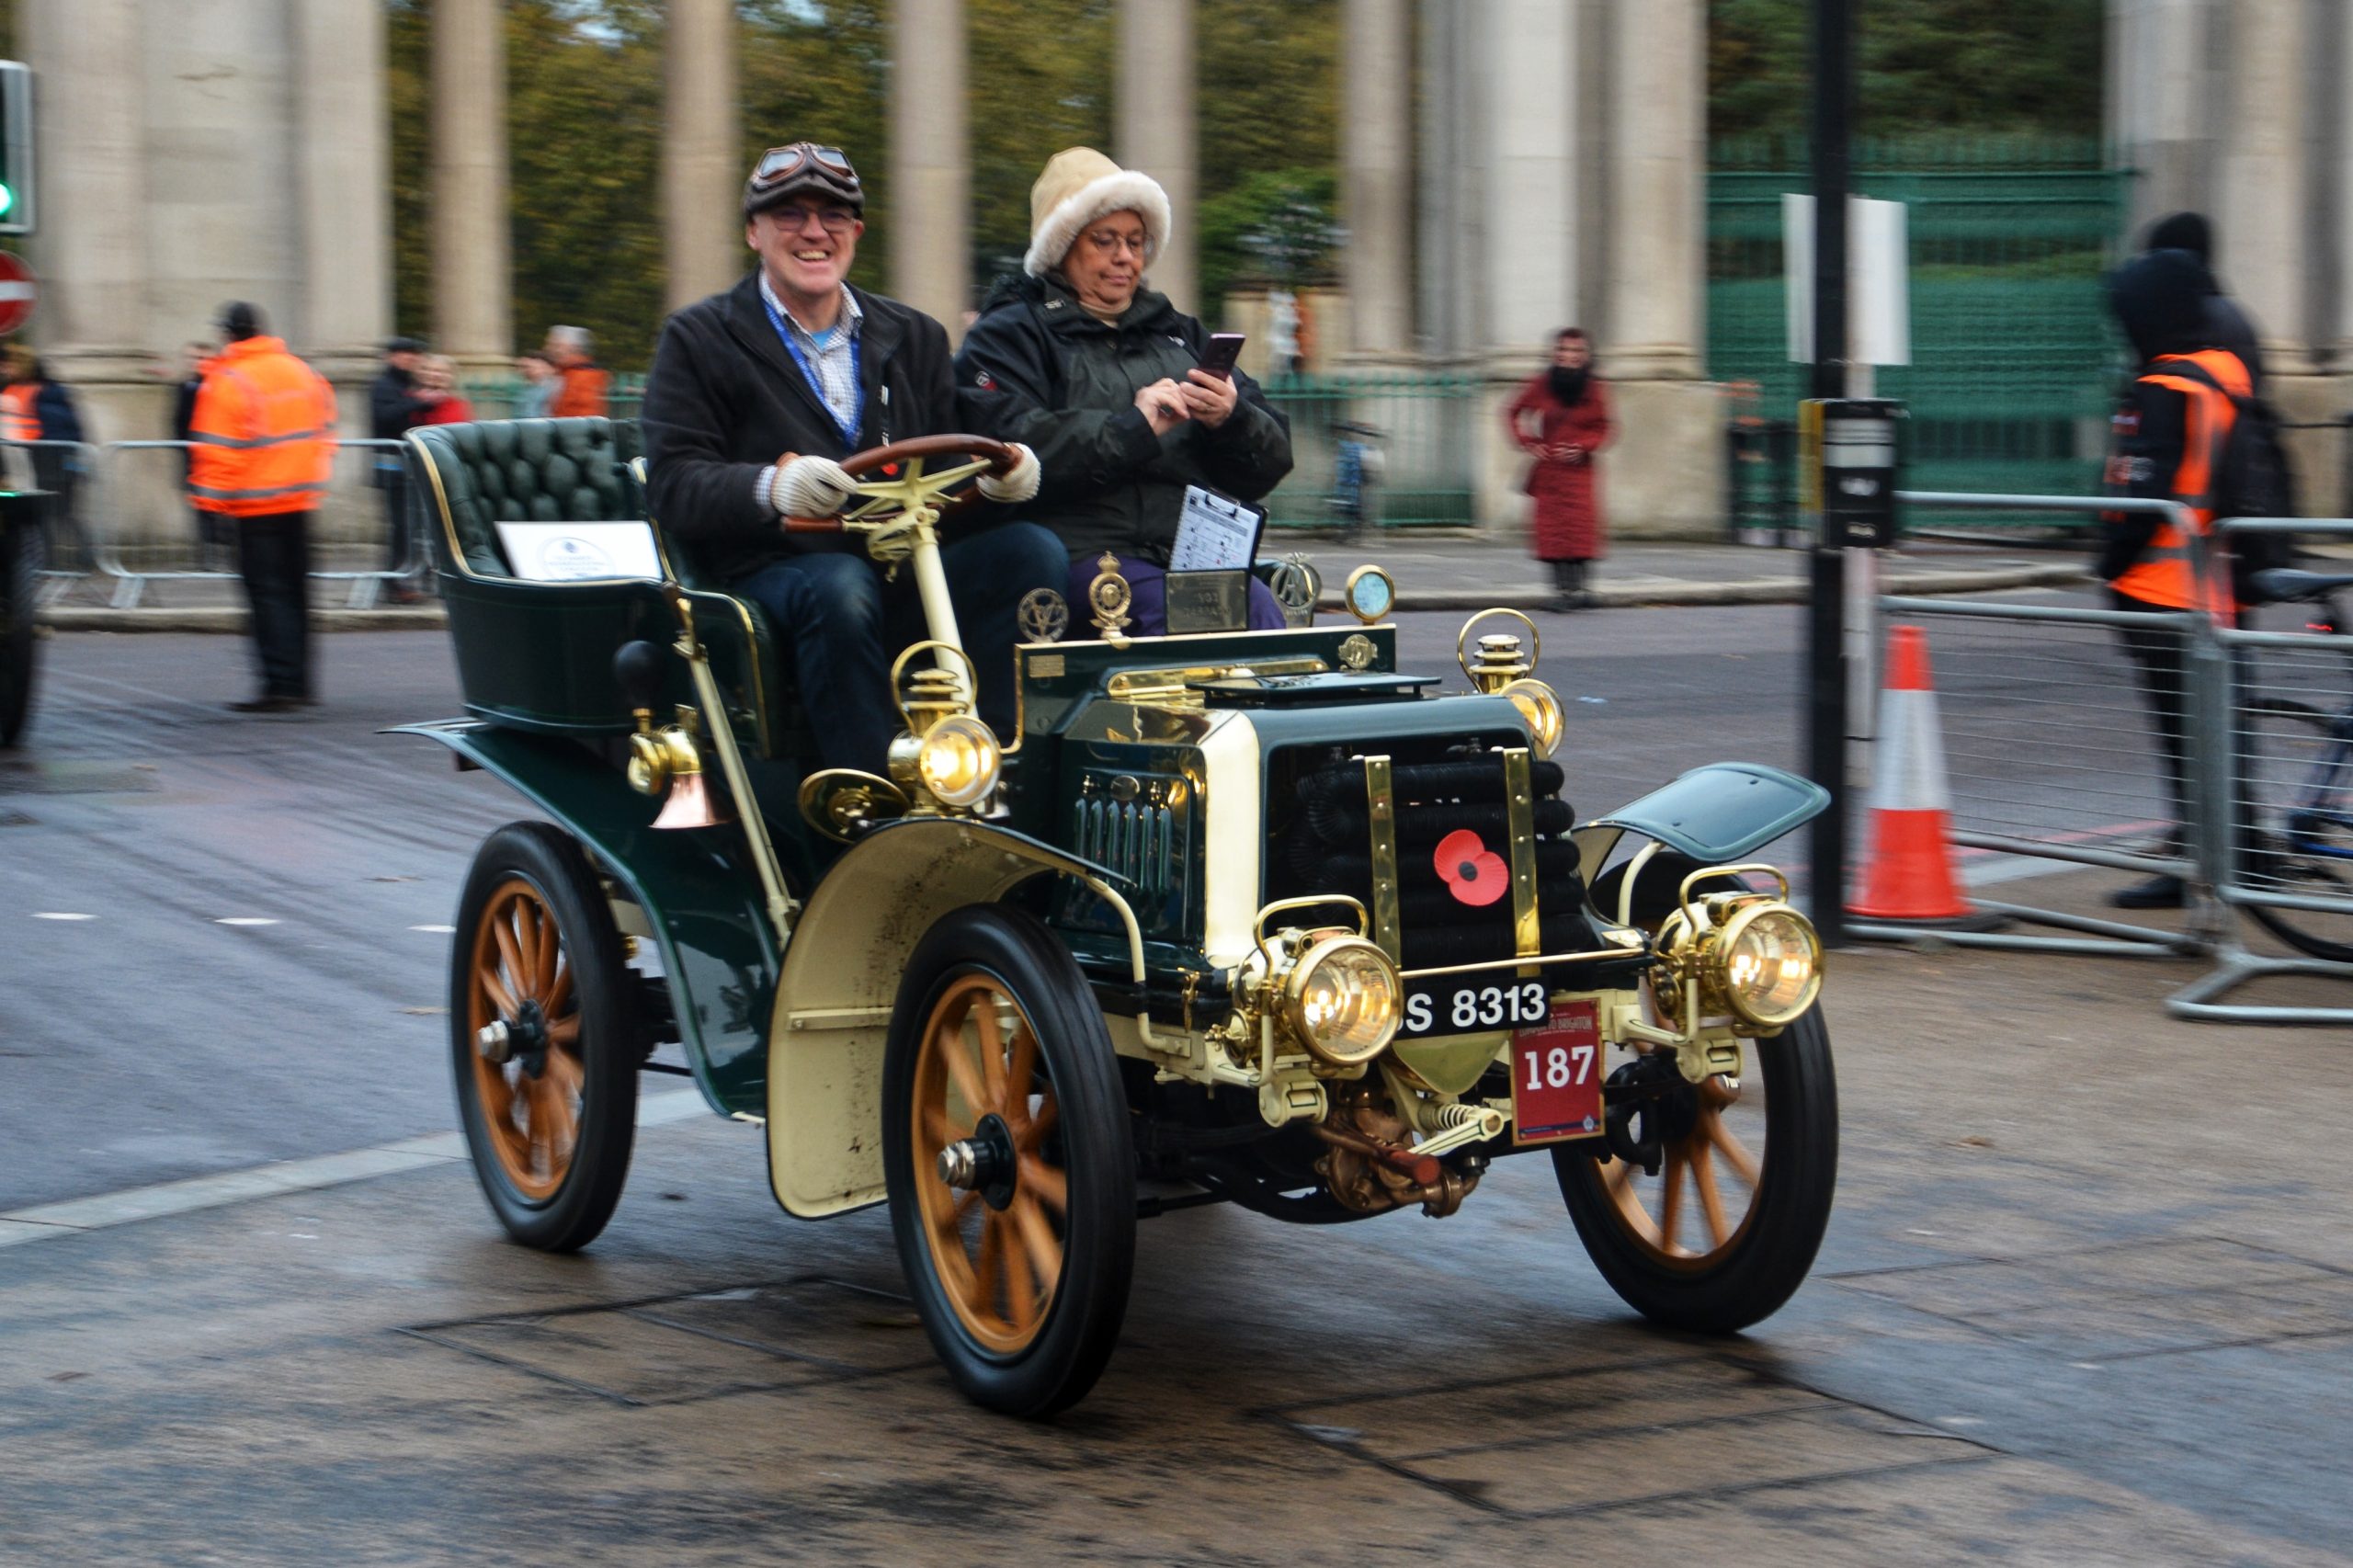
x,y
841,624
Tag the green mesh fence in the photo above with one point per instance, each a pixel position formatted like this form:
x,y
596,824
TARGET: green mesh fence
x,y
1417,424
2014,364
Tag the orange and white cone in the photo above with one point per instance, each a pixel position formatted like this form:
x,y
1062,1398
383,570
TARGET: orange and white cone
x,y
1909,874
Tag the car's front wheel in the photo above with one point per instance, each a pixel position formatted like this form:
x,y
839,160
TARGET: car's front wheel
x,y
1011,1175
1728,1228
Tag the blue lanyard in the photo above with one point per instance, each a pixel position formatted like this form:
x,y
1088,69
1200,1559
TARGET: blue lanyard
x,y
849,431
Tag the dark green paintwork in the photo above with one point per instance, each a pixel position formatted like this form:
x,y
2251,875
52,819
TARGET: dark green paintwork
x,y
697,887
1724,811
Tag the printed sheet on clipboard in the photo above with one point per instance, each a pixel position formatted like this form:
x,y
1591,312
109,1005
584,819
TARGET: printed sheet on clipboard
x,y
1216,534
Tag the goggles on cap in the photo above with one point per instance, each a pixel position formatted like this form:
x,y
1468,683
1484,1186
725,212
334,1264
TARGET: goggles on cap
x,y
803,165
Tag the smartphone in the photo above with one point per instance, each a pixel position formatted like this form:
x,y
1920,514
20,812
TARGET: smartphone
x,y
1224,348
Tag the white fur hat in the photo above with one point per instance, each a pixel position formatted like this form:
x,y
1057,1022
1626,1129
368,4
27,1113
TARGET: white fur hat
x,y
1079,185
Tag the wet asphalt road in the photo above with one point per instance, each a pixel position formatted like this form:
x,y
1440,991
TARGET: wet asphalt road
x,y
2087,1297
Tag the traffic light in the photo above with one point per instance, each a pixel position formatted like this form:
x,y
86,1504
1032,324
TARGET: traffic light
x,y
16,209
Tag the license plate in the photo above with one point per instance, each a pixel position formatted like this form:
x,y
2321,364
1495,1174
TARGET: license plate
x,y
1473,1007
1556,1076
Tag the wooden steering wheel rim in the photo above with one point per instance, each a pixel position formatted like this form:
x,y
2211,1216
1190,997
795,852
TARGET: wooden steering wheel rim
x,y
1001,457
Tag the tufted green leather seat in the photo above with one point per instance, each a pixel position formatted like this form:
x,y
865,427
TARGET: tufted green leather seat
x,y
522,471
539,656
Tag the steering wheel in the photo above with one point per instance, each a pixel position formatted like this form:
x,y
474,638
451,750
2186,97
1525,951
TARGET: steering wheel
x,y
895,497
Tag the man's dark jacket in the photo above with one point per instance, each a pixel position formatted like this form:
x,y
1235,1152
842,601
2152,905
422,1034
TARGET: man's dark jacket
x,y
725,400
1037,369
392,409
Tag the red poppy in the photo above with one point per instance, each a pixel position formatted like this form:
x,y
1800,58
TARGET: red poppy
x,y
1473,873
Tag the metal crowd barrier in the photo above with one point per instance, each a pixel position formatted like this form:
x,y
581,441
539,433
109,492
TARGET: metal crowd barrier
x,y
65,561
2275,721
2109,796
127,498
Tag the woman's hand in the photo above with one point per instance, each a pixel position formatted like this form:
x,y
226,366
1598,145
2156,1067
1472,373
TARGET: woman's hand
x,y
1209,399
1163,406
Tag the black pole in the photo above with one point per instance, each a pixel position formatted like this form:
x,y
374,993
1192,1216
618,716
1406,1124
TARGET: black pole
x,y
1834,68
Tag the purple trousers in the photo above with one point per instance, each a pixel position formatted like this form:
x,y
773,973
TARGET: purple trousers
x,y
1148,614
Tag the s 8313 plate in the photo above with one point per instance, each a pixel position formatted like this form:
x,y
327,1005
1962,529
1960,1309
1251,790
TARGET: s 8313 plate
x,y
1556,1076
1470,1004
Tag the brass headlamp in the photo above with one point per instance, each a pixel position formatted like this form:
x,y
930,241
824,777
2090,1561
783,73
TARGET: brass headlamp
x,y
1500,668
1757,960
1336,993
948,759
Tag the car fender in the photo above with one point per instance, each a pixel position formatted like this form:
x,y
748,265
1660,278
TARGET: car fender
x,y
1716,814
841,981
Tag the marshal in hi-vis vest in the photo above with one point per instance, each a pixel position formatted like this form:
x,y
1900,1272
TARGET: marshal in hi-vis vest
x,y
262,435
2164,573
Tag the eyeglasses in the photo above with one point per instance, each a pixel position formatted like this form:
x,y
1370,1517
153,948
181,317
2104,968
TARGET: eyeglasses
x,y
794,219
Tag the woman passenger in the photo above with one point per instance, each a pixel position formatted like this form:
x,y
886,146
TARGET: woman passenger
x,y
1096,373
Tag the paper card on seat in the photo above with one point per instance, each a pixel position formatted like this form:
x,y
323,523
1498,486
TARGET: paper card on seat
x,y
1214,534
575,552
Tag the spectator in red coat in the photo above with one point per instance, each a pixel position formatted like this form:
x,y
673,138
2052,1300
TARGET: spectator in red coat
x,y
1561,418
437,402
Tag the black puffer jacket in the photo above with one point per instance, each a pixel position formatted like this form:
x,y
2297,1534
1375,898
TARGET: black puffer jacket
x,y
1037,369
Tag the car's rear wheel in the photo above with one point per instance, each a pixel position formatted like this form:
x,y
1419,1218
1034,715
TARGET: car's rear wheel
x,y
1727,1230
1000,1061
542,1038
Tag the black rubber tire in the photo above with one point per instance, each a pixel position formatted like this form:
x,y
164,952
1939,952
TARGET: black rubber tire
x,y
2293,732
20,580
1763,1265
550,862
1070,1348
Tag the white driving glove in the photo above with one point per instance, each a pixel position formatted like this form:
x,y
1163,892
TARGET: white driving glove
x,y
811,487
1018,482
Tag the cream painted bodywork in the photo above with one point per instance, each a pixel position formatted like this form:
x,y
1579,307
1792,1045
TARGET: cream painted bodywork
x,y
840,983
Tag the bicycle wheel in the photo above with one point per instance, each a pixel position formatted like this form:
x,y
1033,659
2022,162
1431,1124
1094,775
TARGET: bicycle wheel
x,y
2296,784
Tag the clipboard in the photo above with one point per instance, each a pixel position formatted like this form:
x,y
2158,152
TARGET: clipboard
x,y
1215,533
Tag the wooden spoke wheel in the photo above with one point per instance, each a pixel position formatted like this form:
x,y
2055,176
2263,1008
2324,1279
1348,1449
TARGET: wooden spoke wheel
x,y
1727,1230
539,1037
1006,1147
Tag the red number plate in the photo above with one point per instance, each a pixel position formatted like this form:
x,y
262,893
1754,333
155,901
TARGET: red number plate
x,y
1556,1077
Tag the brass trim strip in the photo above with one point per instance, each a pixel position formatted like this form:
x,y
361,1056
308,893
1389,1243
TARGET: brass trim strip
x,y
781,908
1523,963
1380,799
1519,806
1127,685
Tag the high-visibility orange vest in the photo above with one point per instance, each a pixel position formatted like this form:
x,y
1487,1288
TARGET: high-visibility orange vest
x,y
18,420
2163,574
263,433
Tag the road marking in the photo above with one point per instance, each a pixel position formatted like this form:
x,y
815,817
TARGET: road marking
x,y
245,920
74,1216
60,914
441,930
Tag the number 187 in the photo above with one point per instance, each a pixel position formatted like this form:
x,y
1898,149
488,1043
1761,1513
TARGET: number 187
x,y
1559,1066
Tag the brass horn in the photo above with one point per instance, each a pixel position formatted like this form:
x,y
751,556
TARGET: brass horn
x,y
690,803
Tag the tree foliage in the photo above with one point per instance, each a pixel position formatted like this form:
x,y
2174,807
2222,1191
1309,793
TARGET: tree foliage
x,y
1997,65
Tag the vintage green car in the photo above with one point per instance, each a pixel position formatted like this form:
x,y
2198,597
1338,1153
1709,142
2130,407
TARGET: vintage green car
x,y
1255,917
20,558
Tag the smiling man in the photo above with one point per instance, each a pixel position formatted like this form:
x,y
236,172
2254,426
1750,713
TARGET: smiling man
x,y
756,397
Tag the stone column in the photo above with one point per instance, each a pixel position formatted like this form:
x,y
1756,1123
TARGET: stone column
x,y
472,265
2265,176
344,156
1521,90
2163,88
702,152
1658,163
92,251
1377,156
1157,131
931,156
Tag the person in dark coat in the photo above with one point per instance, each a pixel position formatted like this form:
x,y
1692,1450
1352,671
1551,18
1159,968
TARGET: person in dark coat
x,y
216,540
1098,373
2226,323
1562,419
756,397
393,407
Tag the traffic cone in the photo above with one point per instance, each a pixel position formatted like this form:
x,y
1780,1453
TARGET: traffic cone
x,y
1909,874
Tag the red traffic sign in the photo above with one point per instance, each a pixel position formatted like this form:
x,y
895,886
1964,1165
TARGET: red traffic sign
x,y
18,289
